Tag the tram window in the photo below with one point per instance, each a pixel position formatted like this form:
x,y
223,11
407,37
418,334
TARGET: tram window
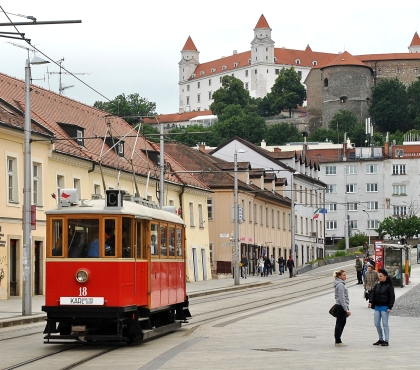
x,y
154,239
81,236
178,242
126,238
171,241
163,241
139,241
57,238
109,237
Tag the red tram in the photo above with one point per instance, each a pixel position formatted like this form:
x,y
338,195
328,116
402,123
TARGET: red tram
x,y
115,270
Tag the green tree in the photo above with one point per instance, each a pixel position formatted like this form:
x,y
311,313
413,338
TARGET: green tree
x,y
323,134
150,132
398,136
287,91
282,133
388,107
397,227
413,102
232,92
345,121
126,106
356,240
195,134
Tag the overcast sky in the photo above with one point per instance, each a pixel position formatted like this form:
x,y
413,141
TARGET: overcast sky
x,y
134,46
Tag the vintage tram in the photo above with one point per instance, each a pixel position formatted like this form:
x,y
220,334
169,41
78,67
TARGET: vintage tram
x,y
115,270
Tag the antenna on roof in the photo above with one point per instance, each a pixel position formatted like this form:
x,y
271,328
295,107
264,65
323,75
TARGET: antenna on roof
x,y
61,87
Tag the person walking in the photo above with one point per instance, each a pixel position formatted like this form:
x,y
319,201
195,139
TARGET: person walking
x,y
370,280
359,269
261,265
273,265
281,262
267,266
382,299
290,265
342,302
244,262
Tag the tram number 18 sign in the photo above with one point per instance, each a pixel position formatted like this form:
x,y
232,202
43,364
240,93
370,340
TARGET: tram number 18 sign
x,y
113,198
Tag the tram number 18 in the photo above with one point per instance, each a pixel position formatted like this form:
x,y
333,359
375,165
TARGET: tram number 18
x,y
82,292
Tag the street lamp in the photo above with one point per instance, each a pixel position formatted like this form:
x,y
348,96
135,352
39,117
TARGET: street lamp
x,y
368,229
27,237
235,217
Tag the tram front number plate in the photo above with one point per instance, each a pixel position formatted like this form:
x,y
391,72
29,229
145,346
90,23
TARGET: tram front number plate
x,y
83,301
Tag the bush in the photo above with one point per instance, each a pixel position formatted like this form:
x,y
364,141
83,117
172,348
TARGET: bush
x,y
354,241
340,253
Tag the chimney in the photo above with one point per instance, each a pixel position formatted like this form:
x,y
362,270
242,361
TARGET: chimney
x,y
235,52
277,150
263,144
262,181
202,147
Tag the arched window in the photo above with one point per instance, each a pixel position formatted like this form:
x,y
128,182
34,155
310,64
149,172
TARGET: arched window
x,y
325,82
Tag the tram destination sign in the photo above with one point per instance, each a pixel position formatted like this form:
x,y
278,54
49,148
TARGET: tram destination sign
x,y
82,301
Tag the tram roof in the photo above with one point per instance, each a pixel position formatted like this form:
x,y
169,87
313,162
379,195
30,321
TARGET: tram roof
x,y
97,206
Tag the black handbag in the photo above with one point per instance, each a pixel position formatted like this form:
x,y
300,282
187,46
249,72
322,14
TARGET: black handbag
x,y
332,311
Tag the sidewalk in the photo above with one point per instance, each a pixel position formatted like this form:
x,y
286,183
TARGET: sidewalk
x,y
11,309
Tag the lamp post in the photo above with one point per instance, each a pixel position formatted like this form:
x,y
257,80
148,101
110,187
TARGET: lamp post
x,y
27,237
368,229
235,217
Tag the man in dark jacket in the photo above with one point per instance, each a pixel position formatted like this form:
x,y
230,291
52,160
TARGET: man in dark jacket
x,y
290,265
267,265
244,268
359,269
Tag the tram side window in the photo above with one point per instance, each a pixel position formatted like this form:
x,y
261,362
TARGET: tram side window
x,y
154,240
171,241
83,238
126,241
110,237
178,242
163,241
57,238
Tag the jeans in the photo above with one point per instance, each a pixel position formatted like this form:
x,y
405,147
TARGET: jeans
x,y
244,271
340,322
377,317
281,270
290,271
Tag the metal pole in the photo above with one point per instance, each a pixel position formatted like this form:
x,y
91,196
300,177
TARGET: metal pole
x,y
292,221
27,237
235,220
162,169
368,228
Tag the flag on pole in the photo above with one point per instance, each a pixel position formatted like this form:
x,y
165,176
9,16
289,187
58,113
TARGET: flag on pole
x,y
318,212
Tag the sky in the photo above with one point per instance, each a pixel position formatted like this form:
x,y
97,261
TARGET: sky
x,y
134,46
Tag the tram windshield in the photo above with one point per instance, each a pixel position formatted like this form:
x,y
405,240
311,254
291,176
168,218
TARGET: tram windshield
x,y
83,238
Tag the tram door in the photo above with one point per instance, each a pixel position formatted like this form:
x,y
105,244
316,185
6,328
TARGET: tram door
x,y
38,268
13,270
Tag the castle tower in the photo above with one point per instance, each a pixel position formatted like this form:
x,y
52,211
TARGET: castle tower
x,y
415,44
262,46
346,85
189,60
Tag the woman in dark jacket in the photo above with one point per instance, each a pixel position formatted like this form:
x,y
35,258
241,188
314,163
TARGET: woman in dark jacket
x,y
382,299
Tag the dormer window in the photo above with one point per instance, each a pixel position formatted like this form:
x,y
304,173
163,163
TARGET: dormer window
x,y
275,59
235,64
202,73
314,63
224,67
76,132
120,149
79,136
193,75
117,146
249,61
297,61
213,70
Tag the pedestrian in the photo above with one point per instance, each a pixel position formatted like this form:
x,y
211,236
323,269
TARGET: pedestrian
x,y
261,265
290,265
341,305
365,267
281,262
273,265
267,266
381,299
372,262
359,268
366,249
244,262
370,280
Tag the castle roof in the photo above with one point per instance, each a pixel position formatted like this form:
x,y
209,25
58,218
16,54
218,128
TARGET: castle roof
x,y
189,45
416,40
345,59
262,23
177,117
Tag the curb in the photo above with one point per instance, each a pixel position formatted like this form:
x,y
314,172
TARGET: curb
x,y
222,290
5,323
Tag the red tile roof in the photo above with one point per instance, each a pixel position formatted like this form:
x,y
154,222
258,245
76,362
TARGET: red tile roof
x,y
345,59
416,40
189,45
262,23
177,117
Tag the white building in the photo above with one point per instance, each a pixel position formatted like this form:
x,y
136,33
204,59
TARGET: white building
x,y
258,68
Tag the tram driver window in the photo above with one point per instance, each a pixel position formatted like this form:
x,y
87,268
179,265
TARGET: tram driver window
x,y
57,238
153,242
110,238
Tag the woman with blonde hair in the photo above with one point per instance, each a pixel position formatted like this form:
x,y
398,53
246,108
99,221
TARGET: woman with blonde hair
x,y
341,305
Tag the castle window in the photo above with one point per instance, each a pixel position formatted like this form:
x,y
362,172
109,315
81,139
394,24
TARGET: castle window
x,y
277,71
267,70
300,73
198,98
343,99
325,82
314,63
266,58
255,71
266,49
246,85
188,87
188,100
220,79
198,84
416,70
379,72
210,82
297,61
246,73
256,58
398,70
210,97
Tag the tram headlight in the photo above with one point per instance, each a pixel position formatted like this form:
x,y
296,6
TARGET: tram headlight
x,y
82,276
